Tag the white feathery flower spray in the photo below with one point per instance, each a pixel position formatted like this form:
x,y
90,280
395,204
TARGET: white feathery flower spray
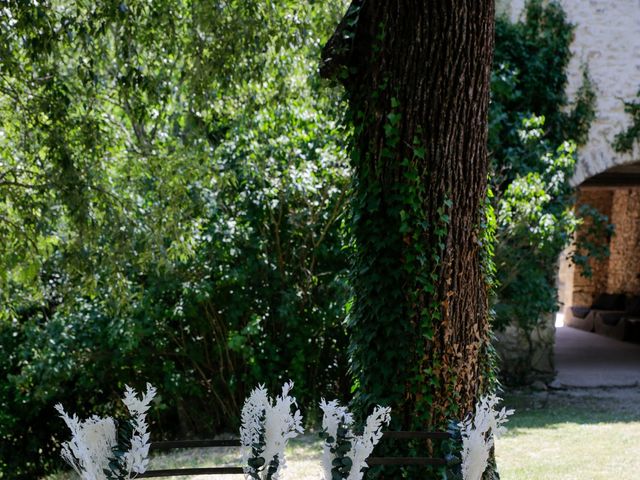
x,y
267,426
334,416
137,457
363,444
341,443
478,434
94,441
91,444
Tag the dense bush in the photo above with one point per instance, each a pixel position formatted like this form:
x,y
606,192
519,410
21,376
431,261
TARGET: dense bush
x,y
172,183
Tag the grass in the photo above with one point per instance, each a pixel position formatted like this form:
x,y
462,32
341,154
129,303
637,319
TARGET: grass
x,y
566,435
579,434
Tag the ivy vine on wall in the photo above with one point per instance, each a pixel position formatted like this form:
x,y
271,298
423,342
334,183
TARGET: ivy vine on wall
x,y
624,141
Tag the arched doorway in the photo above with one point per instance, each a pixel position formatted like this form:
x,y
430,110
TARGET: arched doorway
x,y
600,345
614,281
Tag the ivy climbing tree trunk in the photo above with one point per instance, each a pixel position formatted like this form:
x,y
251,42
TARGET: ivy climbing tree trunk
x,y
417,76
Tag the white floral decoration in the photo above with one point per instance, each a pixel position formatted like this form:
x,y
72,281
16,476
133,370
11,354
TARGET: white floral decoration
x,y
270,424
361,445
333,415
91,444
252,422
137,458
478,434
94,439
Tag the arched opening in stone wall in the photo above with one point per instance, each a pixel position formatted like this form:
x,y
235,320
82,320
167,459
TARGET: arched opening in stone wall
x,y
599,339
614,283
606,41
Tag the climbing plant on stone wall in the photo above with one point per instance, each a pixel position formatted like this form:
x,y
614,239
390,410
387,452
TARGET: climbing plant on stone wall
x,y
532,137
624,141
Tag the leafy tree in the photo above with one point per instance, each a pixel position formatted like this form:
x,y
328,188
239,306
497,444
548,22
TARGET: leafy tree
x,y
417,79
173,186
172,200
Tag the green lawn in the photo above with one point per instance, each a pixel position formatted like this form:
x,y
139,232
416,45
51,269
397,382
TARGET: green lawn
x,y
588,435
581,435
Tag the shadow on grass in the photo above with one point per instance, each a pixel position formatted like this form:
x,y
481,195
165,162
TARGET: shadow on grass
x,y
553,409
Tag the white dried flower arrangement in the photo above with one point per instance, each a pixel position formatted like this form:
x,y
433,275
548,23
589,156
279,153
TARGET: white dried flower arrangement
x,y
478,434
95,452
345,453
267,426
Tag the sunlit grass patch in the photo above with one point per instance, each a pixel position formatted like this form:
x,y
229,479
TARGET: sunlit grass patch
x,y
572,436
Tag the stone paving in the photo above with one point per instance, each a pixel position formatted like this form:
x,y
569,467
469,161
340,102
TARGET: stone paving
x,y
584,359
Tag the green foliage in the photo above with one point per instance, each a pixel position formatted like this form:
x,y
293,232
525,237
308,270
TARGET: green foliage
x,y
595,236
172,205
624,141
533,161
341,446
117,466
172,193
256,461
535,222
398,249
379,309
529,78
451,448
389,226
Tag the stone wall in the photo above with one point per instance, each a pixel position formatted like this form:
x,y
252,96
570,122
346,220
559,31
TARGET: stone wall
x,y
585,289
607,41
525,359
620,273
624,262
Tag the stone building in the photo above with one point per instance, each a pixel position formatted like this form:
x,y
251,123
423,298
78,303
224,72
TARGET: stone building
x,y
607,42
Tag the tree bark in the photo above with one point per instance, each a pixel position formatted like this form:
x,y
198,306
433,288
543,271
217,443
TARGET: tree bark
x,y
417,76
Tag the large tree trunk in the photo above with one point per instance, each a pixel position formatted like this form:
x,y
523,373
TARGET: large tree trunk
x,y
417,75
